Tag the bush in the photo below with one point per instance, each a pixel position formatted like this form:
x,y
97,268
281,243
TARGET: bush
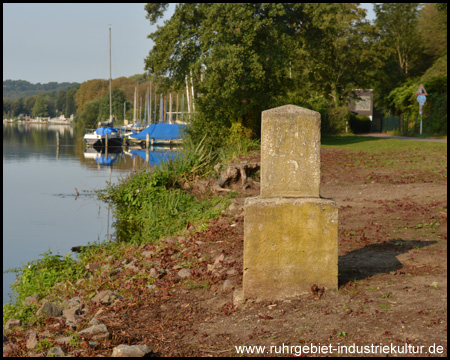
x,y
359,124
335,121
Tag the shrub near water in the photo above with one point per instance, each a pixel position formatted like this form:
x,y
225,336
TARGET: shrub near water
x,y
149,204
40,276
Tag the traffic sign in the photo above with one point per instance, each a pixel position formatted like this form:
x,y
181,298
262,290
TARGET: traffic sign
x,y
421,99
421,90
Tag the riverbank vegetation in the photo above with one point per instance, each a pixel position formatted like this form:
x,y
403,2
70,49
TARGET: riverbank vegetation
x,y
149,205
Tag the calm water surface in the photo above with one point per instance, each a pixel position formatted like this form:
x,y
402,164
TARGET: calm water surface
x,y
41,209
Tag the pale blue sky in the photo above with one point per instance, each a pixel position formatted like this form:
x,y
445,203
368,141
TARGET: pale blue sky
x,y
69,42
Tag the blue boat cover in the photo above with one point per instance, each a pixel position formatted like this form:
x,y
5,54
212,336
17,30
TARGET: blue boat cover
x,y
154,157
105,130
160,132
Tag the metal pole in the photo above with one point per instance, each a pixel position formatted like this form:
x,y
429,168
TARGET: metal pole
x,y
110,89
421,123
150,105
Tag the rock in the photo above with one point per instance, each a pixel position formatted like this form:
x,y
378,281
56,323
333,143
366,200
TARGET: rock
x,y
99,312
12,323
49,309
46,334
75,301
71,312
73,319
63,340
102,337
227,286
104,297
170,240
132,266
93,344
56,351
131,351
232,272
92,267
184,273
94,321
8,349
153,273
32,341
219,260
238,297
148,254
31,300
94,330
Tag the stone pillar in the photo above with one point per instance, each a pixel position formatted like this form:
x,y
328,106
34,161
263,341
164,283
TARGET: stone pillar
x,y
290,233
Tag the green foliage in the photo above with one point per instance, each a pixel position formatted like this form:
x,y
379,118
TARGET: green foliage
x,y
335,51
43,345
245,49
16,89
118,98
336,120
40,107
40,276
151,204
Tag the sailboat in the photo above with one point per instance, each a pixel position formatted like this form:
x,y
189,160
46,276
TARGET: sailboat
x,y
105,130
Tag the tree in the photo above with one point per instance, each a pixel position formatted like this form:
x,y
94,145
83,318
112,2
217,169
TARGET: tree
x,y
71,106
397,26
61,101
90,90
245,48
433,30
336,52
118,98
40,107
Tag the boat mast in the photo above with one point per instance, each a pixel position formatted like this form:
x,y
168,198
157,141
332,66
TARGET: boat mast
x,y
110,91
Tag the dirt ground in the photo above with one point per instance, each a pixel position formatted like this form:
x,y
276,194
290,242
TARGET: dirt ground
x,y
392,277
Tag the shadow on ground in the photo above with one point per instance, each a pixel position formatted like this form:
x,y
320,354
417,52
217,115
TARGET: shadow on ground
x,y
375,259
345,140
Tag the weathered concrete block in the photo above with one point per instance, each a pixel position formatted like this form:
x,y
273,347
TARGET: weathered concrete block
x,y
289,245
290,152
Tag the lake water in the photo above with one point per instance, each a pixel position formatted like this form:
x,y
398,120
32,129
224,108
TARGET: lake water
x,y
41,209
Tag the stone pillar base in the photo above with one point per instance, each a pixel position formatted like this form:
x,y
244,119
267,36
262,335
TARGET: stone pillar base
x,y
289,245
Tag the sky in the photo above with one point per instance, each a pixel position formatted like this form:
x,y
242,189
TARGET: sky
x,y
69,42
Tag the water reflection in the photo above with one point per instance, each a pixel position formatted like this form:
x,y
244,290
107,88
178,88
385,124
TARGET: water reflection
x,y
41,181
154,155
103,158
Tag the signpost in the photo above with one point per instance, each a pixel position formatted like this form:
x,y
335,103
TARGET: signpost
x,y
421,99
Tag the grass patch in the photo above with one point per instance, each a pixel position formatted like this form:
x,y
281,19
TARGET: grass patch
x,y
40,277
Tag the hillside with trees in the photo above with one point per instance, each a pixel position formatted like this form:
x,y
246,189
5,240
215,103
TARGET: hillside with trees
x,y
14,89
